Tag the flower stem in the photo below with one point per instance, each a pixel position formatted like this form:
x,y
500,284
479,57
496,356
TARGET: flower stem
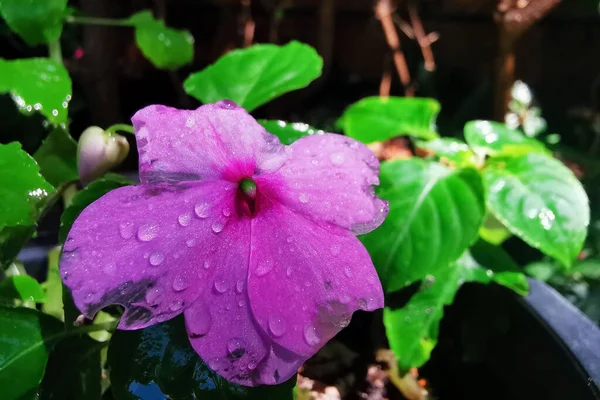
x,y
97,21
120,127
55,52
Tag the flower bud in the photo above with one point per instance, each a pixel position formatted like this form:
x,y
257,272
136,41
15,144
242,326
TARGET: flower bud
x,y
98,152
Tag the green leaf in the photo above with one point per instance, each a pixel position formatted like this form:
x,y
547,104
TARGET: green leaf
x,y
451,149
57,157
37,84
74,370
376,119
539,199
159,362
22,287
87,196
26,337
36,21
165,47
493,138
493,231
253,76
434,216
542,270
288,132
587,269
412,330
53,287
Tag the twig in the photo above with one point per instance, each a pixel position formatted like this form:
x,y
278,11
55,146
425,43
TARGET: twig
x,y
248,23
386,78
383,11
422,38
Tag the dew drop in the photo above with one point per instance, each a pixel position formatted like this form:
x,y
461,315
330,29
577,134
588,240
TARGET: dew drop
x,y
156,258
236,347
241,303
226,211
362,304
190,242
263,267
202,210
252,365
126,230
288,271
206,264
147,232
180,283
348,272
221,285
153,296
335,249
311,336
336,158
303,198
277,325
199,315
345,298
110,268
371,279
239,286
175,305
489,273
184,219
226,104
217,226
190,122
289,239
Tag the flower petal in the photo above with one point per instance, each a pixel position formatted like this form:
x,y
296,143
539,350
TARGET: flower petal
x,y
330,178
144,247
218,140
306,280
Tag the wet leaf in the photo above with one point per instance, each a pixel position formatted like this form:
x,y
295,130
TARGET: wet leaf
x,y
450,149
165,47
435,214
159,362
288,132
488,137
377,119
539,200
253,76
37,84
36,21
57,157
22,287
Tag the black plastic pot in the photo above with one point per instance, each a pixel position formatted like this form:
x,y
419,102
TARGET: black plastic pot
x,y
495,345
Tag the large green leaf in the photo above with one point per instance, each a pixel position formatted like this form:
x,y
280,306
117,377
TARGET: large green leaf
x,y
488,137
538,199
87,196
37,84
159,362
57,157
36,21
288,132
412,330
376,119
53,287
434,216
450,149
22,287
26,337
253,76
165,47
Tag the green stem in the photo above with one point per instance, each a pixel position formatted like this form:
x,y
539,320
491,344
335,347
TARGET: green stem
x,y
97,21
119,127
55,52
103,326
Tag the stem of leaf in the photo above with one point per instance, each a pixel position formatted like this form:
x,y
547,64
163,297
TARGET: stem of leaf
x,y
97,21
119,127
55,52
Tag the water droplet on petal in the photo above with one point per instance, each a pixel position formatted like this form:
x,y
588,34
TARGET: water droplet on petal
x,y
226,211
362,304
153,296
303,198
236,347
221,285
289,239
126,230
206,264
337,158
252,365
315,162
110,268
180,283
348,271
345,298
241,303
156,258
239,286
335,249
263,267
226,104
202,210
288,271
190,122
175,305
147,232
311,336
277,325
184,219
190,242
217,226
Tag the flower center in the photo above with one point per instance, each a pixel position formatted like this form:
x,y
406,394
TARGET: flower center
x,y
246,196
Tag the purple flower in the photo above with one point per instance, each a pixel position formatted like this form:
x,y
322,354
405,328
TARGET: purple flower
x,y
253,241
